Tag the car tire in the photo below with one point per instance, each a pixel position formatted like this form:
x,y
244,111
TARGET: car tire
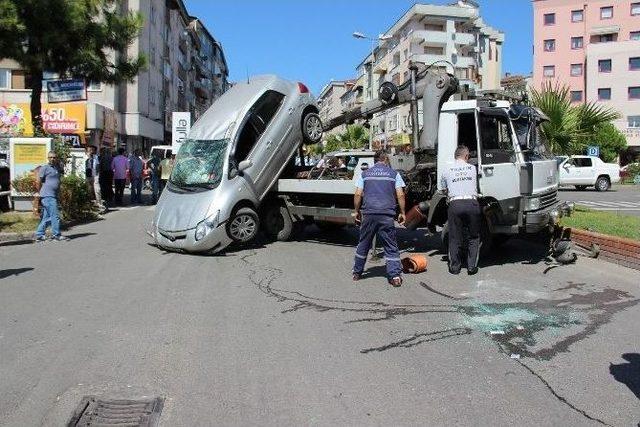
x,y
603,183
581,187
277,222
243,225
311,128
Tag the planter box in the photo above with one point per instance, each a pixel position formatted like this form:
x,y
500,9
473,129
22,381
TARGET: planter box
x,y
625,252
22,203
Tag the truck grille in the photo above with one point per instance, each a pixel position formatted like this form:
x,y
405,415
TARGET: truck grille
x,y
548,199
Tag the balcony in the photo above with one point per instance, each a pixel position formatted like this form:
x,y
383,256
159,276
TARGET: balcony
x,y
202,88
463,61
464,39
428,58
439,38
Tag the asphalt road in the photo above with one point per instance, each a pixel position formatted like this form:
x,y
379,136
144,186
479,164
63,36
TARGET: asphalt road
x,y
624,199
277,334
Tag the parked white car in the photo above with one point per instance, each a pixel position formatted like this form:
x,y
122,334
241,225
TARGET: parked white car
x,y
586,171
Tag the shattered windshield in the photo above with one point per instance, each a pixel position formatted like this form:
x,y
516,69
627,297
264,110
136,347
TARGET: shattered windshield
x,y
538,148
199,164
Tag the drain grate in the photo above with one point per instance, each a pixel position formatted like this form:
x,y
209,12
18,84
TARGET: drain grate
x,y
95,412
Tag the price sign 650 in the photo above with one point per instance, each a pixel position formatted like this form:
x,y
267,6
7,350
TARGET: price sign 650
x,y
53,115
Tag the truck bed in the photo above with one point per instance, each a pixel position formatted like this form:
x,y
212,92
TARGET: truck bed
x,y
316,186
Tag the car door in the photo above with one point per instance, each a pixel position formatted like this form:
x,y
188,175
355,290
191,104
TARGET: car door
x,y
569,173
258,140
588,171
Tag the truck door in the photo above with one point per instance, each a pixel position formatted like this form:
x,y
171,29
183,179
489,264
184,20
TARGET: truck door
x,y
498,173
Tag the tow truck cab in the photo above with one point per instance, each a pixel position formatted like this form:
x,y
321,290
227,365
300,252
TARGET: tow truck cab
x,y
517,174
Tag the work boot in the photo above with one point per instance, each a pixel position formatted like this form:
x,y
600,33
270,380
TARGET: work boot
x,y
356,277
471,271
396,282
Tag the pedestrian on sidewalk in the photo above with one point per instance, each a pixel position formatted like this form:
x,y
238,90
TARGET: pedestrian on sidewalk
x,y
460,181
119,166
92,171
106,177
136,165
379,191
48,184
154,171
166,167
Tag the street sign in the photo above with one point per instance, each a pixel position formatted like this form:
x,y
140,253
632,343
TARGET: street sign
x,y
66,90
593,151
180,127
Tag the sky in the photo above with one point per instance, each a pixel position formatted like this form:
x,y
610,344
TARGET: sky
x,y
310,40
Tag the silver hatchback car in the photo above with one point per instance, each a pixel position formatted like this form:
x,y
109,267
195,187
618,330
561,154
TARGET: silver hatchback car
x,y
232,158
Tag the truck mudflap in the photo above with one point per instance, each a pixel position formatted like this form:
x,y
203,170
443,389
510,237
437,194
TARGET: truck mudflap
x,y
548,217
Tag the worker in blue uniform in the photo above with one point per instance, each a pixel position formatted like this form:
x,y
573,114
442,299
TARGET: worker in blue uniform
x,y
379,191
460,181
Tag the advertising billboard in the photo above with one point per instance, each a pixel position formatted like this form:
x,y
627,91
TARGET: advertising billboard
x,y
26,154
66,90
181,125
63,119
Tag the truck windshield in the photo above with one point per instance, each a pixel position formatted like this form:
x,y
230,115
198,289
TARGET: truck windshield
x,y
538,148
199,164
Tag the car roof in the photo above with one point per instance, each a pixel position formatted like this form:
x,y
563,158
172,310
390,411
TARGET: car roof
x,y
231,107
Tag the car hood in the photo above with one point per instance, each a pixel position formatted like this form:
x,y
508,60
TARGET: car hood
x,y
179,212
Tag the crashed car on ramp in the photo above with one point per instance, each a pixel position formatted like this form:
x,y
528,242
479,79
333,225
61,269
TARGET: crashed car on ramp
x,y
233,156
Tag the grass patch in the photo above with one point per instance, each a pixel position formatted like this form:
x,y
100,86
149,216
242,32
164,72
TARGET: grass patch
x,y
14,222
611,223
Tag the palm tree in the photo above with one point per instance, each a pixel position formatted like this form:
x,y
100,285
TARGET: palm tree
x,y
355,136
570,127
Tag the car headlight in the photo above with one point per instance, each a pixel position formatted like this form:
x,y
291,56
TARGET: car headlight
x,y
205,226
533,204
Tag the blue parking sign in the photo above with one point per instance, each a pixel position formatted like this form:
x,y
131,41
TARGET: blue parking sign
x,y
593,151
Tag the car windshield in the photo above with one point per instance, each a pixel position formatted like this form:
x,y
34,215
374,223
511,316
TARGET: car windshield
x,y
199,164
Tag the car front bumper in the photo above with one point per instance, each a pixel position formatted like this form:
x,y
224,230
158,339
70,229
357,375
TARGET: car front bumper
x,y
185,241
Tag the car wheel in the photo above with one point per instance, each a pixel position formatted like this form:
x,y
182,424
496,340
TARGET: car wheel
x,y
277,222
581,187
243,225
311,128
603,184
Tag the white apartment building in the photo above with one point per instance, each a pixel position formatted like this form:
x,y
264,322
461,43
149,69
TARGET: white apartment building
x,y
331,104
426,34
186,71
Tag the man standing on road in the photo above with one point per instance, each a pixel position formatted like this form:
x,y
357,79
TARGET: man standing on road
x,y
135,172
377,190
92,170
154,171
106,177
166,167
461,183
48,183
119,166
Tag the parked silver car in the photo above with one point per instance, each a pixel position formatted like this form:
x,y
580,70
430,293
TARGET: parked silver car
x,y
232,158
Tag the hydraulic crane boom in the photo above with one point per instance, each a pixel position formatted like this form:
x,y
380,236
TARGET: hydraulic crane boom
x,y
434,89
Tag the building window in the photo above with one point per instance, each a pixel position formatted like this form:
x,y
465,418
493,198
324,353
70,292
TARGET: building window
x,y
5,78
604,94
634,63
577,16
576,70
606,38
604,65
549,18
635,8
634,92
634,35
633,121
550,45
549,71
576,42
576,96
606,12
405,54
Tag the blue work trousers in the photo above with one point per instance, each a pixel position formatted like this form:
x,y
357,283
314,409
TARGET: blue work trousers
x,y
155,187
50,215
136,190
384,227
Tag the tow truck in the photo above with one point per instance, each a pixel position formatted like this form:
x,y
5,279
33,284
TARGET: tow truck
x,y
517,174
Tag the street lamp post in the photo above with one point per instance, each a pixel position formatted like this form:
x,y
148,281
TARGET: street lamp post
x,y
359,35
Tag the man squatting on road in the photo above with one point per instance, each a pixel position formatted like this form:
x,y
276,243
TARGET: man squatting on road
x,y
377,190
460,180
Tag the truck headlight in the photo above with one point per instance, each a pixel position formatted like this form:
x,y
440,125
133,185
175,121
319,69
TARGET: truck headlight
x,y
533,204
205,226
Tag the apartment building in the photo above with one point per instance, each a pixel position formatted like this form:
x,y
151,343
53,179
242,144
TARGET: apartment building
x,y
454,34
186,71
594,48
331,102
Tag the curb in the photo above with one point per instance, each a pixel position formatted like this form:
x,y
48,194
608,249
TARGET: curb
x,y
618,250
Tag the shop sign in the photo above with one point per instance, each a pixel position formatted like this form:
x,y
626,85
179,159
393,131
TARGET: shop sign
x,y
180,127
66,90
26,154
65,119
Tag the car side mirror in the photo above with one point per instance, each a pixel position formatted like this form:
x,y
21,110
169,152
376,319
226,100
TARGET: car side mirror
x,y
244,165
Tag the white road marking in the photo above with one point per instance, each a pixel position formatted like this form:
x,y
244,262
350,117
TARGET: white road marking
x,y
610,205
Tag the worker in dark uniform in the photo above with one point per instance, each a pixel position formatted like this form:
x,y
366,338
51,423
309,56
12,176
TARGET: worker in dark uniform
x,y
460,180
377,190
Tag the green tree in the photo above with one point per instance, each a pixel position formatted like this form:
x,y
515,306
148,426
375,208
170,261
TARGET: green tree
x,y
569,126
74,38
355,136
610,140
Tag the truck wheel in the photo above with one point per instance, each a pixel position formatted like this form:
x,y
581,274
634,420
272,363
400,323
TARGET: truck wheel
x,y
602,183
581,187
311,128
277,222
243,225
329,226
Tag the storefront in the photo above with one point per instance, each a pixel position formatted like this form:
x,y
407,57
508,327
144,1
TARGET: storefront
x,y
65,119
